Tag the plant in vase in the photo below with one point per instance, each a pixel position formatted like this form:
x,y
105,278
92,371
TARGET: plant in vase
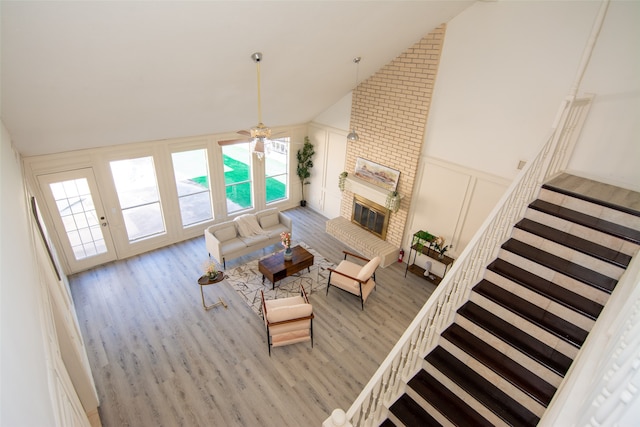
x,y
210,270
285,238
440,247
305,164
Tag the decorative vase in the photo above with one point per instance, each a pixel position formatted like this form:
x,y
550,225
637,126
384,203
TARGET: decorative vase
x,y
440,256
288,254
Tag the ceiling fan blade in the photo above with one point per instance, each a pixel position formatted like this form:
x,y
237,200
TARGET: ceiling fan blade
x,y
233,141
244,132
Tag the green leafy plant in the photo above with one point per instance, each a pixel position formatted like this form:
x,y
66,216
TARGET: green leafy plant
x,y
305,163
393,201
439,246
422,239
342,178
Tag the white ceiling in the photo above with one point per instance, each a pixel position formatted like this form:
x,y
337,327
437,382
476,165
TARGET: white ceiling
x,y
82,74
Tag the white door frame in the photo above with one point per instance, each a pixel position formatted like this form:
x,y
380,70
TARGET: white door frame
x,y
73,262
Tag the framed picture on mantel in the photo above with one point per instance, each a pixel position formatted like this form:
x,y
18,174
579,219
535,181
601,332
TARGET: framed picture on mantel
x,y
377,174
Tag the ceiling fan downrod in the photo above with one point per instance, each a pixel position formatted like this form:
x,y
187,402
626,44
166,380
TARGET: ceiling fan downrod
x,y
260,131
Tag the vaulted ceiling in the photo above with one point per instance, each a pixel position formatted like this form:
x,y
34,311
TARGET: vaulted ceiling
x,y
83,74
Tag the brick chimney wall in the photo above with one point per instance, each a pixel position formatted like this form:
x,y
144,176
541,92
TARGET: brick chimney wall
x,y
389,112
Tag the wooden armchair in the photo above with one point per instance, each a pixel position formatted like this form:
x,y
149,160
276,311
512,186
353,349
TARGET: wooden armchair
x,y
357,279
288,320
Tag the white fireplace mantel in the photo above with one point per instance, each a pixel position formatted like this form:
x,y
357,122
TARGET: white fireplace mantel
x,y
367,190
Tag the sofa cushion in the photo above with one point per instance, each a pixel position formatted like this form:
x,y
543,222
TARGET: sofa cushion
x,y
254,240
269,220
225,233
351,269
297,311
233,245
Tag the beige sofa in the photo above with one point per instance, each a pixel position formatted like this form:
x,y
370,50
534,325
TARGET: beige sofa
x,y
245,234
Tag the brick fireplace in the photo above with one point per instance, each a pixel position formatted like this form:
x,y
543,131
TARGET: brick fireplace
x,y
370,216
389,112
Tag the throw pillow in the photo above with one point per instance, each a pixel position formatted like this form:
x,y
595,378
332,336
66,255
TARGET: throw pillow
x,y
270,220
225,233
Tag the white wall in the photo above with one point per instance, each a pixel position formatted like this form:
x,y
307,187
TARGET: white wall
x,y
25,398
505,68
452,202
338,115
609,149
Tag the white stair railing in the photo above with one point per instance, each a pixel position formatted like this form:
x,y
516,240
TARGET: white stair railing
x,y
405,359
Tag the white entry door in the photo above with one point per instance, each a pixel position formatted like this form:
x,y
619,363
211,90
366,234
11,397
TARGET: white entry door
x,y
80,221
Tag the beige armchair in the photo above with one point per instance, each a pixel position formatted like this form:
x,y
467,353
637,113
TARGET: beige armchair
x,y
288,320
357,279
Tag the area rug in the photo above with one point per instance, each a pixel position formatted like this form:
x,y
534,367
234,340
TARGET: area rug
x,y
246,280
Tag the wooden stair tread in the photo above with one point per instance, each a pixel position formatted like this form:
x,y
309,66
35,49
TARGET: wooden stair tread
x,y
445,401
559,327
585,220
586,198
534,348
559,294
561,265
574,242
482,390
501,364
411,414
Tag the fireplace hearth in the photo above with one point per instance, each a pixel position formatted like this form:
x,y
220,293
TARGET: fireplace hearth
x,y
370,216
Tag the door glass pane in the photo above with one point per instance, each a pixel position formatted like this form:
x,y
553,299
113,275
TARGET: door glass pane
x,y
276,170
237,176
79,216
192,181
137,188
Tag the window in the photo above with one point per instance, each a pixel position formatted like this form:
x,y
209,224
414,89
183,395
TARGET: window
x,y
192,181
137,188
75,205
277,170
237,176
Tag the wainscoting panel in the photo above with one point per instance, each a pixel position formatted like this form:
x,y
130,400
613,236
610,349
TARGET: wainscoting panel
x,y
452,201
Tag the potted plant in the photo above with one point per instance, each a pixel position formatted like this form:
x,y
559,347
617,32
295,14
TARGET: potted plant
x,y
440,247
305,164
342,179
422,239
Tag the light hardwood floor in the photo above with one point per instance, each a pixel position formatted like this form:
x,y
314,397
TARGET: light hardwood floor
x,y
159,359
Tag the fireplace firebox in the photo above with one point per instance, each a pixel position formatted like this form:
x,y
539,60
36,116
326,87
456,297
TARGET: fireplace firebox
x,y
370,216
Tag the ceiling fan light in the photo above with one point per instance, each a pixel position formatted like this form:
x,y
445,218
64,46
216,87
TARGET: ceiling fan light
x,y
260,131
353,136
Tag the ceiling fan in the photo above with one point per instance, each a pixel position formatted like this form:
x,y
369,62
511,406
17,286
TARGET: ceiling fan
x,y
258,135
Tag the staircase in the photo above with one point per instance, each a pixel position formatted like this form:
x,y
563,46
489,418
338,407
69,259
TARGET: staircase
x,y
512,342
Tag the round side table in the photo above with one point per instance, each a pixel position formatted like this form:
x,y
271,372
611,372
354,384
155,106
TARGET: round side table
x,y
204,281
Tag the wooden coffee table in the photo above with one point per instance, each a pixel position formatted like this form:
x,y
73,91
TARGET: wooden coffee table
x,y
275,268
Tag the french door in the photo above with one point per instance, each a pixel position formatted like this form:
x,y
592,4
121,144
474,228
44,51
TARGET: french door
x,y
73,202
